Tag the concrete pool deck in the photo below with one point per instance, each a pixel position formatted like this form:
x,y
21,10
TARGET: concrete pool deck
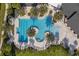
x,y
15,34
66,32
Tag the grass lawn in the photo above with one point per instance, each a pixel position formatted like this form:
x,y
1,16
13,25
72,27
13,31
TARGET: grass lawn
x,y
2,13
51,51
6,48
55,50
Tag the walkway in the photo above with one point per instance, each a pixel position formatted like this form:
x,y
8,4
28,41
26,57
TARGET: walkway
x,y
6,7
65,31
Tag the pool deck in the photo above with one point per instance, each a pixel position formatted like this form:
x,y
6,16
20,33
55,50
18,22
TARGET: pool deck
x,y
66,32
15,34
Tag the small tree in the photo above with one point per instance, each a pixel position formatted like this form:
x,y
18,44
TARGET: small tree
x,y
33,13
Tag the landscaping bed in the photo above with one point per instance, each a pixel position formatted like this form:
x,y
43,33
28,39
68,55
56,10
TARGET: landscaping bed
x,y
55,50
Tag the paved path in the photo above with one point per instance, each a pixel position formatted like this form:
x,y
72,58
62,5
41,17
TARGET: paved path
x,y
66,32
6,7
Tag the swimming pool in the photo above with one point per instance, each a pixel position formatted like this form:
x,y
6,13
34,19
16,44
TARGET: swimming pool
x,y
45,24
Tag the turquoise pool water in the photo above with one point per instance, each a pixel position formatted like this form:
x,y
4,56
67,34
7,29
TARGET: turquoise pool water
x,y
44,25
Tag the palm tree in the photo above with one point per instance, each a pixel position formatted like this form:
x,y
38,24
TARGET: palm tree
x,y
18,7
43,9
31,32
50,37
58,16
50,12
33,13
